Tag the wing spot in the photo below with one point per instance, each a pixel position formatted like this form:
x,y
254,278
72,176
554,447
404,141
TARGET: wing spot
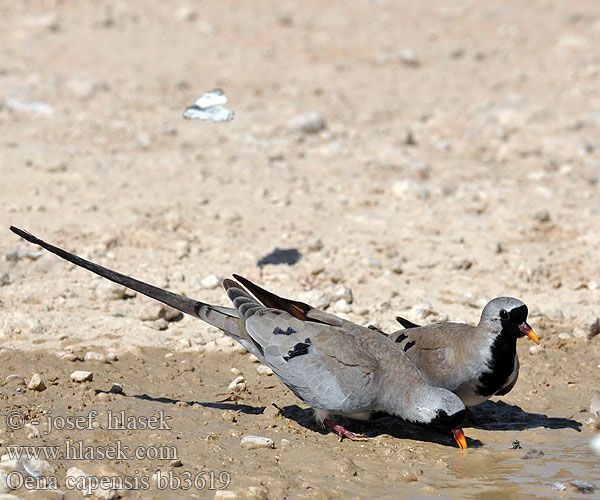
x,y
279,331
298,350
401,337
409,345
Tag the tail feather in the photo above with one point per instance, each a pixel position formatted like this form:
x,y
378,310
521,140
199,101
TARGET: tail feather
x,y
225,318
245,304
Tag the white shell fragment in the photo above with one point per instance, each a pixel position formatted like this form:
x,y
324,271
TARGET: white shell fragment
x,y
252,442
82,376
208,107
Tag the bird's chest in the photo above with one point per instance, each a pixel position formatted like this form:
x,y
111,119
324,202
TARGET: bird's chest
x,y
499,369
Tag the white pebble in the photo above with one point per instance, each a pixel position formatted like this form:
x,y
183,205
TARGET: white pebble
x,y
238,384
82,376
111,291
36,383
309,123
252,442
96,356
342,306
534,350
315,298
211,281
264,370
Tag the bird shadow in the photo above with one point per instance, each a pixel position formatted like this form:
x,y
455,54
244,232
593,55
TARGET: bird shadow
x,y
388,425
279,256
385,425
498,415
218,405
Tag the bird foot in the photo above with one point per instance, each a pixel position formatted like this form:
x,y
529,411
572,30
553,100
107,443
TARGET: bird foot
x,y
342,432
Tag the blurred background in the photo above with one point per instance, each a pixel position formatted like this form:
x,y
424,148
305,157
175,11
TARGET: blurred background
x,y
425,155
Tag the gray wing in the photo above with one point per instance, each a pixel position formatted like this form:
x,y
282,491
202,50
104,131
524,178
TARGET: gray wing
x,y
323,365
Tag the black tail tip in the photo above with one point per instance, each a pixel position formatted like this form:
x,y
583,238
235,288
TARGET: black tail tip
x,y
21,233
229,283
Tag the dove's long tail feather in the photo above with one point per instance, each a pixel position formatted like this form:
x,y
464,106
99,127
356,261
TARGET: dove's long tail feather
x,y
224,318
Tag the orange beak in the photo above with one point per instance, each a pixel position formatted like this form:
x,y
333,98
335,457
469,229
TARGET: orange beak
x,y
527,330
459,435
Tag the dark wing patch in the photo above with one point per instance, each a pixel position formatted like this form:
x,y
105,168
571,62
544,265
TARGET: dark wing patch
x,y
298,350
409,345
401,337
279,331
375,329
405,323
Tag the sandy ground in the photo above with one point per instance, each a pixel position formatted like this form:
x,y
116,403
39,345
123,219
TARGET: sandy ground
x,y
454,158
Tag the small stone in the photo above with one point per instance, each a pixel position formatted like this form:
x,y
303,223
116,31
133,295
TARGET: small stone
x,y
316,298
264,370
371,261
309,123
143,140
50,21
4,279
86,87
68,356
556,486
271,411
82,376
254,493
587,325
542,216
176,463
421,311
253,442
235,371
185,13
342,306
183,248
227,495
102,396
409,58
238,384
96,356
534,350
211,282
36,383
157,310
342,292
253,358
116,388
565,336
583,486
111,291
15,378
315,246
159,324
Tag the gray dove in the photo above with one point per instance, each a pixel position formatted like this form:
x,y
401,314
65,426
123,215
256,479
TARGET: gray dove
x,y
474,362
333,365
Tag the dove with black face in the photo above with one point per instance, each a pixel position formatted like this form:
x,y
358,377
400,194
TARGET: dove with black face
x,y
474,362
335,366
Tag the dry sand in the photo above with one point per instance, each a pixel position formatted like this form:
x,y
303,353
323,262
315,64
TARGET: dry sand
x,y
458,160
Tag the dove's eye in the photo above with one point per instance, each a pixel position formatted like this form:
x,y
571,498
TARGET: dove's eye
x,y
442,414
504,314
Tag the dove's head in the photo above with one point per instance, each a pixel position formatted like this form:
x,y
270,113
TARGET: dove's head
x,y
439,407
507,316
